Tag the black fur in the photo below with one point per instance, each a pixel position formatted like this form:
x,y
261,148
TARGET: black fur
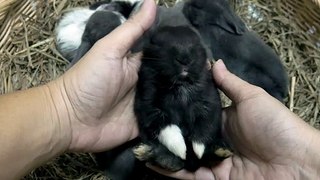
x,y
120,164
243,52
99,25
164,96
95,5
123,7
191,102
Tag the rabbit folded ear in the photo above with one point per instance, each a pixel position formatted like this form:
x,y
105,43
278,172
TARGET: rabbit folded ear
x,y
214,12
231,23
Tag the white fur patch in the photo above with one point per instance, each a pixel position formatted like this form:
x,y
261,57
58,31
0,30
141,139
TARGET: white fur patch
x,y
131,1
172,138
178,1
198,149
121,17
137,7
70,29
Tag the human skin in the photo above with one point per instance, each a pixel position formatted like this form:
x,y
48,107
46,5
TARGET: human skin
x,y
88,109
270,142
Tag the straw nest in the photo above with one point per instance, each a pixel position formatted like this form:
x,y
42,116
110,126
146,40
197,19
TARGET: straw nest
x,y
28,57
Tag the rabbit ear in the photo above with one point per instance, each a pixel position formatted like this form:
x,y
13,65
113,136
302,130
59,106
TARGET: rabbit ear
x,y
231,23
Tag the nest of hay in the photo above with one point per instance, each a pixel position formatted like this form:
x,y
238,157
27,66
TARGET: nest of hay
x,y
28,57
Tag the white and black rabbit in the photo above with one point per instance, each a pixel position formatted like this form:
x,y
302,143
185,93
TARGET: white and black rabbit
x,y
71,26
177,104
99,25
243,52
69,31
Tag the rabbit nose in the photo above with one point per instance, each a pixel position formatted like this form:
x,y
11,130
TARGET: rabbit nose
x,y
184,71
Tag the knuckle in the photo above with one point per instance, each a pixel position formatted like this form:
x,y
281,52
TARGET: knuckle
x,y
134,22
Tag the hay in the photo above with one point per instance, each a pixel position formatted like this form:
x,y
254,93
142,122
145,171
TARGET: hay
x,y
298,49
28,58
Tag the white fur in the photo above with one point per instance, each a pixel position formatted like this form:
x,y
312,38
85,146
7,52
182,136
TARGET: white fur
x,y
70,29
198,149
178,1
131,1
137,7
104,6
121,17
172,138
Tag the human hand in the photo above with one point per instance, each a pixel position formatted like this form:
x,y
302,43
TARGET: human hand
x,y
270,142
98,91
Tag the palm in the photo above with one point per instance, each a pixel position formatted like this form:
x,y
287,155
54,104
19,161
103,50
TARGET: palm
x,y
253,122
269,141
106,95
263,144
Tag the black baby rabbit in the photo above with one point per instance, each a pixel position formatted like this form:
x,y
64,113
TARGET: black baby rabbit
x,y
243,52
177,104
175,82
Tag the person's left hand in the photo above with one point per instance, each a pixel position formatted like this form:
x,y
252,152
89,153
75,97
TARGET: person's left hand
x,y
98,91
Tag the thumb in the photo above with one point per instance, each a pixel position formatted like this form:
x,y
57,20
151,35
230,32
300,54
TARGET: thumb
x,y
122,38
234,87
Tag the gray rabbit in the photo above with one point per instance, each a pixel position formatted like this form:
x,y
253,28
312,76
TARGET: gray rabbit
x,y
243,52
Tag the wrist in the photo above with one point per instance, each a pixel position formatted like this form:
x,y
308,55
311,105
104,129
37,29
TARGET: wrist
x,y
33,130
60,112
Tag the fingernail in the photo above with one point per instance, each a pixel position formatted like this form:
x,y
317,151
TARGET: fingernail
x,y
220,65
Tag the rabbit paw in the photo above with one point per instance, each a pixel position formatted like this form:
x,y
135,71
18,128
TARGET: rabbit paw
x,y
158,155
198,149
143,152
223,152
171,137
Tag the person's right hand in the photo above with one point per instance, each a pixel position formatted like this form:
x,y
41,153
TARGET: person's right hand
x,y
270,142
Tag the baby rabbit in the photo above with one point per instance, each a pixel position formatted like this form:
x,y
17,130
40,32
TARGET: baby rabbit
x,y
69,31
71,26
243,52
177,104
99,25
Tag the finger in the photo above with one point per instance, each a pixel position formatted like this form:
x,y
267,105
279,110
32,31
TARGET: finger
x,y
234,87
201,173
222,170
204,173
134,60
122,38
182,174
